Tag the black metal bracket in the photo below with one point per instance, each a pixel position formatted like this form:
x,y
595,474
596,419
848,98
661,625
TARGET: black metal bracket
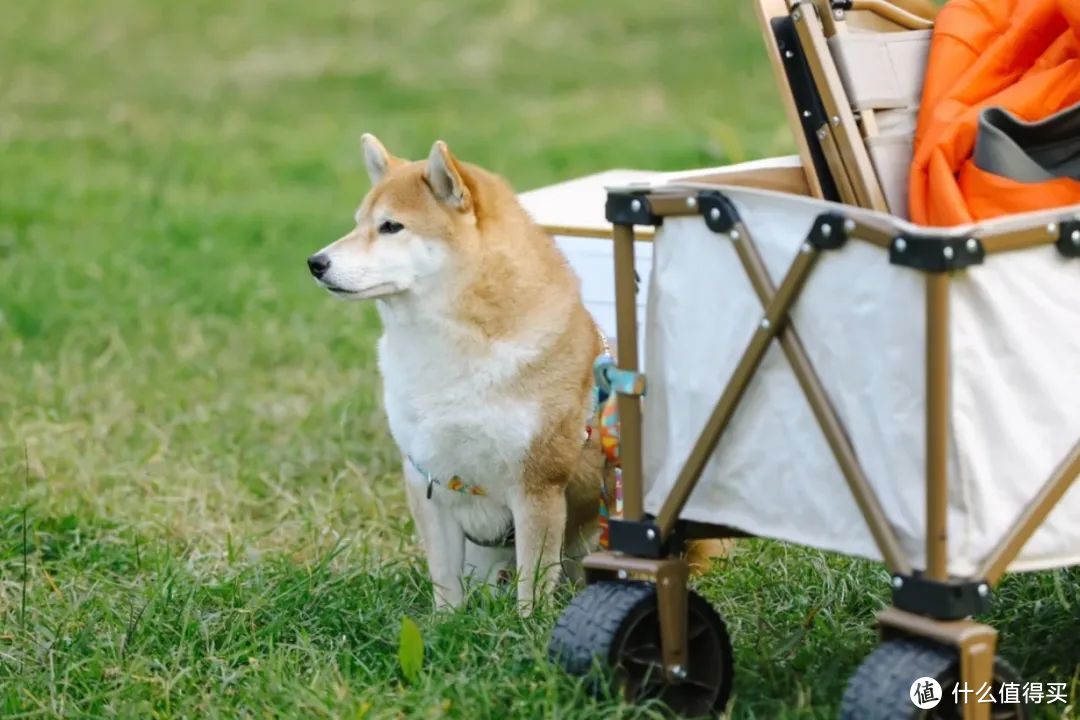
x,y
934,253
952,600
719,212
630,208
1068,243
641,538
808,101
829,231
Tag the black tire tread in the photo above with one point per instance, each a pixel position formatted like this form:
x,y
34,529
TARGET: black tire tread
x,y
879,688
587,628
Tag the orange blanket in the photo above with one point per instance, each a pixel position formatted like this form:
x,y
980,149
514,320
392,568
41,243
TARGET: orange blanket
x,y
1020,55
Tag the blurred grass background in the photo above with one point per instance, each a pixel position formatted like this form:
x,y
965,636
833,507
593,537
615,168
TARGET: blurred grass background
x,y
199,509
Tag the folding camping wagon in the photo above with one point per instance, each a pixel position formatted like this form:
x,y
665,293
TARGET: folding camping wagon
x,y
823,372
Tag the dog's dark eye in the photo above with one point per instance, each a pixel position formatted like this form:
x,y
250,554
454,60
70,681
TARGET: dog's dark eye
x,y
389,227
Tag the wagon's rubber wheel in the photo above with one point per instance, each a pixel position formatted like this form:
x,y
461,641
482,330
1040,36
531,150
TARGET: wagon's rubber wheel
x,y
881,687
610,632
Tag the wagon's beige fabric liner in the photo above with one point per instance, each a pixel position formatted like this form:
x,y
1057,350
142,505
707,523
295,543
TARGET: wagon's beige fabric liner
x,y
1015,407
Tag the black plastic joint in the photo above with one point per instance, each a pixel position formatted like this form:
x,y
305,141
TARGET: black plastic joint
x,y
829,231
640,538
1068,243
719,212
952,600
931,253
630,208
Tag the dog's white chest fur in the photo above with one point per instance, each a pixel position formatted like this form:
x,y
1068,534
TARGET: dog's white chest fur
x,y
459,413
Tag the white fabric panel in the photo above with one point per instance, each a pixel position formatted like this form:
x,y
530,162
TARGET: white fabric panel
x,y
573,211
593,260
578,205
1015,402
1016,397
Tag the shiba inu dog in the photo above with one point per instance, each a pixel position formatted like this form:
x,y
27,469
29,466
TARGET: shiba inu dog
x,y
486,358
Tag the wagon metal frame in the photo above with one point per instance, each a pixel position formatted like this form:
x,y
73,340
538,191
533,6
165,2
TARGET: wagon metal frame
x,y
926,604
830,135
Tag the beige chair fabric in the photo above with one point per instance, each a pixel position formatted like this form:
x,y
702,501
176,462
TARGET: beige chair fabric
x,y
890,152
882,74
882,70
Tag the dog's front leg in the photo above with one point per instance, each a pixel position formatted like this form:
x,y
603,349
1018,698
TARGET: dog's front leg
x,y
443,540
539,525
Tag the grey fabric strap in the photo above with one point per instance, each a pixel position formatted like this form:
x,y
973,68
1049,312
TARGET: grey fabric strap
x,y
1029,152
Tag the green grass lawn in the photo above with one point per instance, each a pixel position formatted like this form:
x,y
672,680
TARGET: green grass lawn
x,y
199,507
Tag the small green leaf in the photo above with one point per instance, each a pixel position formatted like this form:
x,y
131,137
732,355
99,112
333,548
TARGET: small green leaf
x,y
410,650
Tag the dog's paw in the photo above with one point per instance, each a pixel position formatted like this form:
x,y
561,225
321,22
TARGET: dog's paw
x,y
448,601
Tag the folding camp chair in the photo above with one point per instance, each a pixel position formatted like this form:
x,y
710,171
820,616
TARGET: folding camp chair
x,y
831,375
850,76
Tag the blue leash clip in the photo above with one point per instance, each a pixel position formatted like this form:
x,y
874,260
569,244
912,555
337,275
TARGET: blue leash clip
x,y
611,379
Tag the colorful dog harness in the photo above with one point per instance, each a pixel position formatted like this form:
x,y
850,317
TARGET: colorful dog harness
x,y
455,483
609,383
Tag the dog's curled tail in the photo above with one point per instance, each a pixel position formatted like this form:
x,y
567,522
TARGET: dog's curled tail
x,y
700,554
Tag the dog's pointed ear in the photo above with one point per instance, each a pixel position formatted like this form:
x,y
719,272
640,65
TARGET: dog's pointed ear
x,y
376,159
444,175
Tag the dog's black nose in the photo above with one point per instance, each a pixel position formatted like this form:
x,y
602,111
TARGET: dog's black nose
x,y
318,265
